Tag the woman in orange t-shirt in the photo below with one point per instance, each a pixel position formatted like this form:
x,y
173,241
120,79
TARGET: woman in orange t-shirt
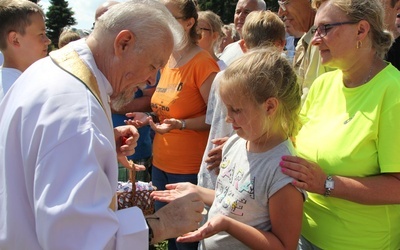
x,y
179,106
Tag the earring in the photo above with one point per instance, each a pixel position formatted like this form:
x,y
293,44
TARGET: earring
x,y
359,44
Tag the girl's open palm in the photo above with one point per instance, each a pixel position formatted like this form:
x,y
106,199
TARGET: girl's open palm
x,y
211,227
174,191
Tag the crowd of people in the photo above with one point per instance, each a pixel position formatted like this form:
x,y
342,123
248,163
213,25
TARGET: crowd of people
x,y
277,131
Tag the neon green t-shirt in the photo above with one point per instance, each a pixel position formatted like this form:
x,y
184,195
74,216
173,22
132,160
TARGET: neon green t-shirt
x,y
352,132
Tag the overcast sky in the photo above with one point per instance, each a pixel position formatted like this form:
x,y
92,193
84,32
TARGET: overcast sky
x,y
84,11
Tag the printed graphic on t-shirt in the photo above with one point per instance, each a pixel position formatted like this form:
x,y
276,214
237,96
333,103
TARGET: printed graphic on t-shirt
x,y
171,94
233,189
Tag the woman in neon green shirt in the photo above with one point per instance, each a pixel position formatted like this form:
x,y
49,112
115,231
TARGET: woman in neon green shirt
x,y
348,148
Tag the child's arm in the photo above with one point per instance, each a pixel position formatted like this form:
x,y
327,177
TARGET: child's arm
x,y
286,209
177,190
286,212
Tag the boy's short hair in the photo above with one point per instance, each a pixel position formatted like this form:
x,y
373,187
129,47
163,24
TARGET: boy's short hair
x,y
263,28
15,16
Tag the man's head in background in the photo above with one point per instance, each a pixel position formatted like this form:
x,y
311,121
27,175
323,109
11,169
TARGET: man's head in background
x,y
243,8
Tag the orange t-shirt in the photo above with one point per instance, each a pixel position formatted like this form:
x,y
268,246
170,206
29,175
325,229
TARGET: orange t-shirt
x,y
178,96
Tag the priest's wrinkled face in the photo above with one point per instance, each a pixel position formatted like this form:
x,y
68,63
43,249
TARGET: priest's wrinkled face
x,y
138,64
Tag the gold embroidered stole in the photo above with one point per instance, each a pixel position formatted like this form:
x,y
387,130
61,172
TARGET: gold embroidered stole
x,y
68,60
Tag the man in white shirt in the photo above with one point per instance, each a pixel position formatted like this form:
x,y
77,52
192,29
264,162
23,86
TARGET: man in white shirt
x,y
243,8
58,150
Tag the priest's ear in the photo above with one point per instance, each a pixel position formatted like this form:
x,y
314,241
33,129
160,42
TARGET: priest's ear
x,y
124,41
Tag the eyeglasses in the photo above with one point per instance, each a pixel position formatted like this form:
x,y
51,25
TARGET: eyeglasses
x,y
204,29
323,29
283,4
179,17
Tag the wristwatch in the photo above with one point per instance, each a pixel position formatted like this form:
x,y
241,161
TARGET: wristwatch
x,y
329,185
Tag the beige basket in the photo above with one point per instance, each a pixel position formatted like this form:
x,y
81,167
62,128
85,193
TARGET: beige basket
x,y
138,198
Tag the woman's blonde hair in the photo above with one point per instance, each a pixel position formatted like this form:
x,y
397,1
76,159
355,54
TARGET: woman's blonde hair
x,y
215,23
370,11
264,73
213,20
67,35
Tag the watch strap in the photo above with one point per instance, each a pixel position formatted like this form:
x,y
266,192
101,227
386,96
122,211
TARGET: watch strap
x,y
328,185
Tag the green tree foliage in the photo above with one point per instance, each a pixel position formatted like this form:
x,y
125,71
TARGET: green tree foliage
x,y
226,8
58,16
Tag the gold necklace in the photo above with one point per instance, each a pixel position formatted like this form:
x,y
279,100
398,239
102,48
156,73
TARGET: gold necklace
x,y
179,59
181,55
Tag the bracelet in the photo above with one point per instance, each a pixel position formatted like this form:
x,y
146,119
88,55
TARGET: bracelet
x,y
183,124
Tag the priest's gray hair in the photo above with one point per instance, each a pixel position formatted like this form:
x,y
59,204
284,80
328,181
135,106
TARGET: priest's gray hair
x,y
149,20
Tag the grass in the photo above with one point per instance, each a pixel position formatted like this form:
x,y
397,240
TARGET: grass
x,y
160,246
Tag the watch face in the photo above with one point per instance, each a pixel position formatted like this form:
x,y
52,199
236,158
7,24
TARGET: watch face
x,y
329,184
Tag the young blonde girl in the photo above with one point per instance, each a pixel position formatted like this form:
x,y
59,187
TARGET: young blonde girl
x,y
254,204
